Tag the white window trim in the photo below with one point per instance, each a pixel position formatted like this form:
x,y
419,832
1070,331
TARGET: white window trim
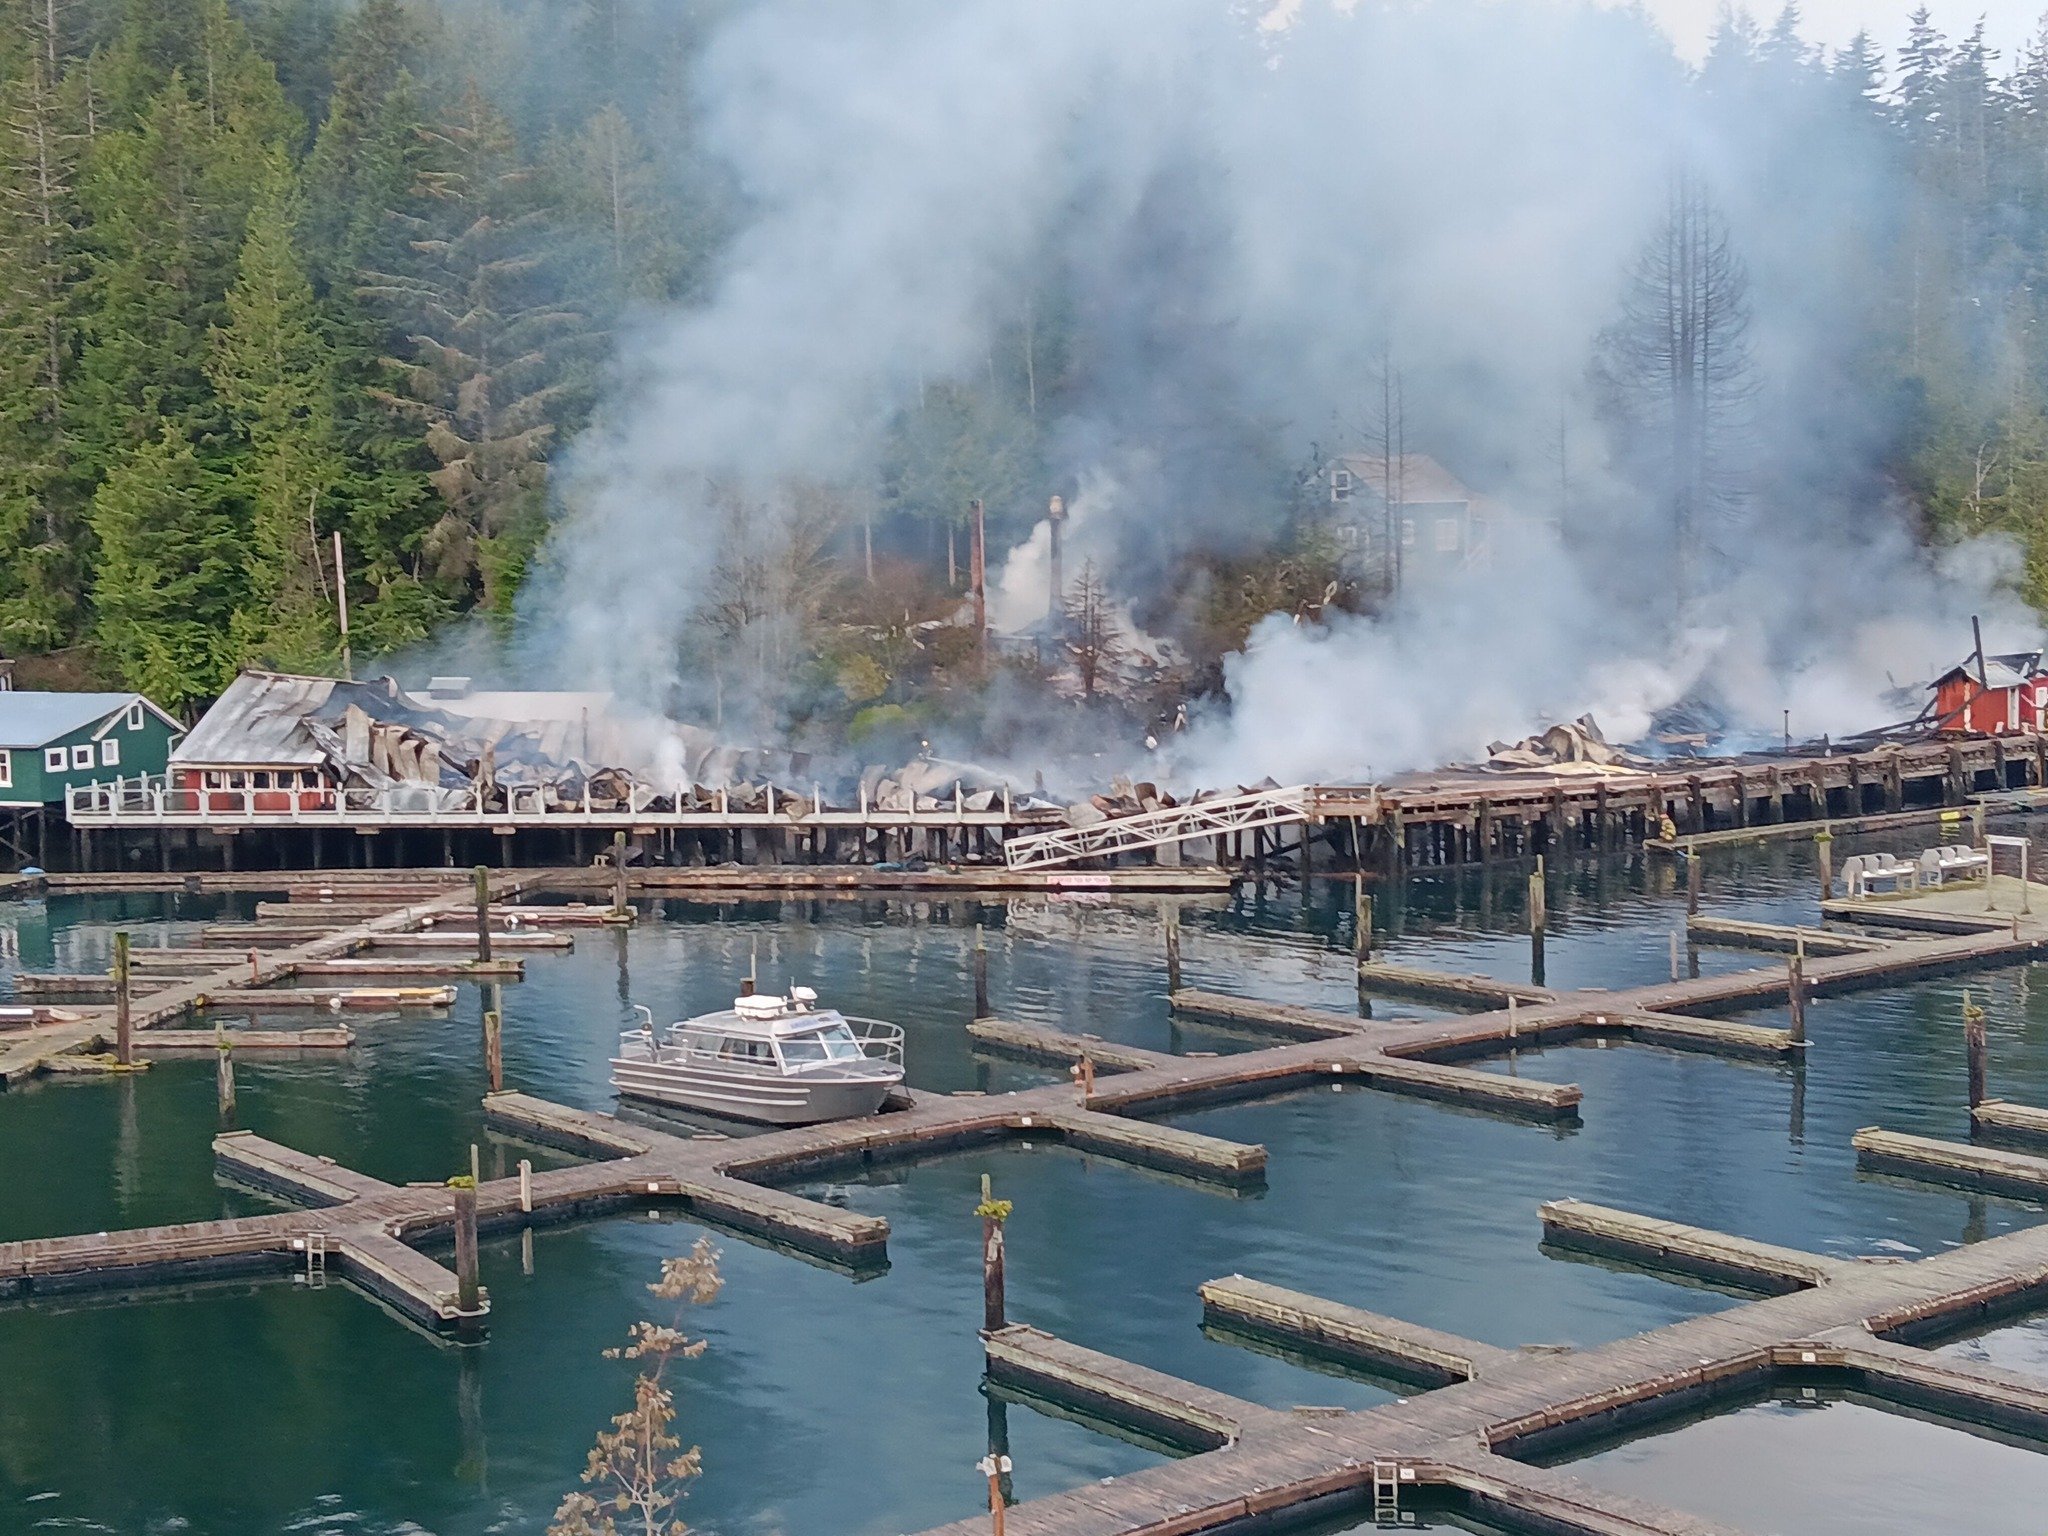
x,y
81,757
1447,540
6,768
56,760
110,752
135,716
1340,485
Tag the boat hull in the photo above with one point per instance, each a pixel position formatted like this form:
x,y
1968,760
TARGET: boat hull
x,y
767,1099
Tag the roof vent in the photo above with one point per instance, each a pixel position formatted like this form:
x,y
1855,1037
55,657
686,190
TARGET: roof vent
x,y
447,687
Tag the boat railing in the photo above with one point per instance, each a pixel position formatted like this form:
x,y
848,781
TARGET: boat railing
x,y
879,1039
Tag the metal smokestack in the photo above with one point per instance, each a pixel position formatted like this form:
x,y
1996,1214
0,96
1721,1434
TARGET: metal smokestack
x,y
1056,513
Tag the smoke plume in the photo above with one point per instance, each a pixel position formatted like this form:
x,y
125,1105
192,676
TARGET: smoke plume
x,y
1246,215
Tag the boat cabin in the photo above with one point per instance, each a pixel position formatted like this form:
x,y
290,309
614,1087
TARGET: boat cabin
x,y
779,1034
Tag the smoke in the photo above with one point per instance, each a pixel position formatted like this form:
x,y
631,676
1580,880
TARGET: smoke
x,y
1244,212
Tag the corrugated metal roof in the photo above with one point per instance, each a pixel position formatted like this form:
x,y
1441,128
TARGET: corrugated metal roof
x,y
32,719
256,722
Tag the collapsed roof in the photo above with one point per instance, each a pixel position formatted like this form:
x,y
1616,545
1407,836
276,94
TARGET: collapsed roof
x,y
567,748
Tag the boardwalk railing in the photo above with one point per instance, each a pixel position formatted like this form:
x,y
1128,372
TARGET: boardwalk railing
x,y
151,801
1155,829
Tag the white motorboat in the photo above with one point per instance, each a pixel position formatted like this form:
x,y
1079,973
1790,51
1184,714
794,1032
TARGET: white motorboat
x,y
779,1060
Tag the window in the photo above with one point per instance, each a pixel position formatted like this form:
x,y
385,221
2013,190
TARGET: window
x,y
6,768
1407,533
110,752
81,757
1347,536
1446,535
135,716
55,760
1340,485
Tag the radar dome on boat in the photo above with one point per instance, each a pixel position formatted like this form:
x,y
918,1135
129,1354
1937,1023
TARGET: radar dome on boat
x,y
803,996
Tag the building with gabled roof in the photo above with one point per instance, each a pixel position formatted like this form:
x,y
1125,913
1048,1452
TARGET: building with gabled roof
x,y
50,742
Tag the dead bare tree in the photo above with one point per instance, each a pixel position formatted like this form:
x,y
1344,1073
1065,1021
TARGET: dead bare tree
x,y
1094,637
637,1467
1676,375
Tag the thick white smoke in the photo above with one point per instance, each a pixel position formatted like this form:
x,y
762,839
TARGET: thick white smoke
x,y
1247,220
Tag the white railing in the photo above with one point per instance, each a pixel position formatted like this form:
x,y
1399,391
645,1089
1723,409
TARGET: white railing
x,y
152,800
1155,829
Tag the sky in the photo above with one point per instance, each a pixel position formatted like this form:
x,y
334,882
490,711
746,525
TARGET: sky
x,y
2008,23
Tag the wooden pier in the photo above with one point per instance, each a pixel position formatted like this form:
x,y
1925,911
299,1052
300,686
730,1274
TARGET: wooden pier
x,y
1481,1409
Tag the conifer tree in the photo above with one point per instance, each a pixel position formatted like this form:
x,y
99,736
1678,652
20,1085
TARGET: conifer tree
x,y
488,341
40,582
273,368
170,586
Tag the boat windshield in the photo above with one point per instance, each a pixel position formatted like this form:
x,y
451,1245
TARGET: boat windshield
x,y
835,1042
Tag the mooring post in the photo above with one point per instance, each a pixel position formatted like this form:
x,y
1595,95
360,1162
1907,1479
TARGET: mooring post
x,y
494,1049
981,1010
483,913
1539,919
1674,954
526,1185
618,874
1824,849
255,970
224,1074
1361,922
1084,1077
124,1025
1795,997
993,1214
1692,883
1978,1048
1172,947
467,1295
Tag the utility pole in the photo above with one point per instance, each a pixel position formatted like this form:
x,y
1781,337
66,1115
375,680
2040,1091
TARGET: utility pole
x,y
341,603
977,575
1056,514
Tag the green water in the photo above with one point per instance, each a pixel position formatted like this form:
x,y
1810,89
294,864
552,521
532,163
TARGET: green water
x,y
830,1406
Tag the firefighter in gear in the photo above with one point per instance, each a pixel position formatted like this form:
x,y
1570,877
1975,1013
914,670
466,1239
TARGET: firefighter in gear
x,y
1667,829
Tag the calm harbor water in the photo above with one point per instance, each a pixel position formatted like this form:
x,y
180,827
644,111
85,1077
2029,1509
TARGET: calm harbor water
x,y
826,1405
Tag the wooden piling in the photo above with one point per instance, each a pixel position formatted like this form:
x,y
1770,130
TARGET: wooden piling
x,y
468,1294
1172,948
494,1049
1795,997
1824,849
1674,954
124,1024
1692,884
1978,1048
224,1075
483,912
1361,922
981,1007
619,874
1539,900
526,1185
993,1214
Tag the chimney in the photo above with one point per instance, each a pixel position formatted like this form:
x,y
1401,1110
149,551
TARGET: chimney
x,y
1056,513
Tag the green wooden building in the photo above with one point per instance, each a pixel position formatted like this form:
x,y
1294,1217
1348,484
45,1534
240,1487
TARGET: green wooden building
x,y
52,741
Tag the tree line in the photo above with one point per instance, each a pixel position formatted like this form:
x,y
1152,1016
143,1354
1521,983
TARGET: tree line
x,y
279,272
273,271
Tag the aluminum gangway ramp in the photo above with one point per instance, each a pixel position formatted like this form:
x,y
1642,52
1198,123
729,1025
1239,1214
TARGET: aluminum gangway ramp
x,y
1156,829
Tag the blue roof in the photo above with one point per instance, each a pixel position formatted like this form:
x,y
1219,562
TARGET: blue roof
x,y
33,719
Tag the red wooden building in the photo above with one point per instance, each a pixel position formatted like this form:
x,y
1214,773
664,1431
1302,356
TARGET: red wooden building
x,y
1992,695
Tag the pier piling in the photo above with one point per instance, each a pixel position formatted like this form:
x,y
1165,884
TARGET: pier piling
x,y
224,1076
1795,995
993,1214
981,1008
526,1186
1824,850
1978,1048
124,1024
494,1049
1692,884
619,874
1361,922
468,1294
483,913
1172,948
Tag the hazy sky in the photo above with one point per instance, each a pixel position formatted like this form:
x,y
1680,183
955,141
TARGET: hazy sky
x,y
2008,23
